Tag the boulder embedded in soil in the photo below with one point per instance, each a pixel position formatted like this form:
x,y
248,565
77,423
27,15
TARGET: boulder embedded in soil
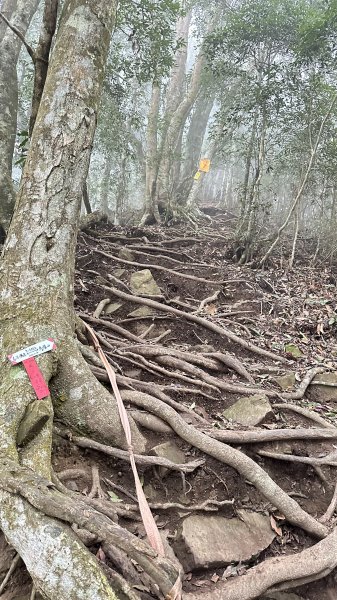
x,y
324,393
286,381
112,307
170,451
209,542
126,254
249,411
143,283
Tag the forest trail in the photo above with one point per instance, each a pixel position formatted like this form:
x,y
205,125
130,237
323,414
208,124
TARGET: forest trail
x,y
283,313
201,374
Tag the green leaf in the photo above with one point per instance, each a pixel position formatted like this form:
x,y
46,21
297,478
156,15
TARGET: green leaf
x,y
293,350
113,497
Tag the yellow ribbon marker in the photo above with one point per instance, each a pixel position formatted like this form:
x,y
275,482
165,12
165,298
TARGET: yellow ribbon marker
x,y
204,165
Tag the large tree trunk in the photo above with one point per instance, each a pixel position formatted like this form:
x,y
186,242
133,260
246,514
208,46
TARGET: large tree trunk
x,y
36,290
20,13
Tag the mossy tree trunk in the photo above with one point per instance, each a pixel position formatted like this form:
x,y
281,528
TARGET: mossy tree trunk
x,y
36,294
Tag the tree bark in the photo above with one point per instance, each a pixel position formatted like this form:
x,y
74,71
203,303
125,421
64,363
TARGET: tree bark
x,y
176,124
194,143
151,212
21,13
36,291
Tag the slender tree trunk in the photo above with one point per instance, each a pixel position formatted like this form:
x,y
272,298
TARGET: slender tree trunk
x,y
176,124
304,182
104,197
194,144
36,290
10,46
48,28
151,212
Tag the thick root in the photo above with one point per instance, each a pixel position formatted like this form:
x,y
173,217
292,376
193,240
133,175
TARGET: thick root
x,y
234,458
283,572
56,560
85,405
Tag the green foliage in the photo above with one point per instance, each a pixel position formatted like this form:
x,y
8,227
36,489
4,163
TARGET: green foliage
x,y
149,27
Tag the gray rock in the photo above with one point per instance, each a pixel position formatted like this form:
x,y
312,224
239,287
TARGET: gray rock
x,y
143,283
170,451
111,308
249,411
209,542
142,311
126,254
324,393
286,382
72,485
118,272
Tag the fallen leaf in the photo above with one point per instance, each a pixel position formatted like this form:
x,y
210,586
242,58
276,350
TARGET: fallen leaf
x,y
275,527
114,497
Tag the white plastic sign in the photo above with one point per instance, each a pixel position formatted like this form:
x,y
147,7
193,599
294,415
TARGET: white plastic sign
x,y
31,351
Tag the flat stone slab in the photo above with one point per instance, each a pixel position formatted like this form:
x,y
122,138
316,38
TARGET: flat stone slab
x,y
143,283
170,451
126,254
324,393
213,541
142,311
111,308
286,382
249,411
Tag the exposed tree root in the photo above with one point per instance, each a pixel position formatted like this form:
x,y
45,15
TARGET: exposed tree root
x,y
222,331
10,571
40,494
157,268
308,414
271,435
237,460
330,459
140,458
232,363
331,508
289,571
299,393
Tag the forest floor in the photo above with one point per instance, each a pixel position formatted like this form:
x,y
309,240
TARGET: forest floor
x,y
280,312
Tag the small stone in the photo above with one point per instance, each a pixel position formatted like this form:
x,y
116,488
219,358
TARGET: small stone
x,y
143,283
133,373
142,311
126,254
111,308
72,485
215,541
118,272
324,393
285,382
203,348
249,411
170,451
150,492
